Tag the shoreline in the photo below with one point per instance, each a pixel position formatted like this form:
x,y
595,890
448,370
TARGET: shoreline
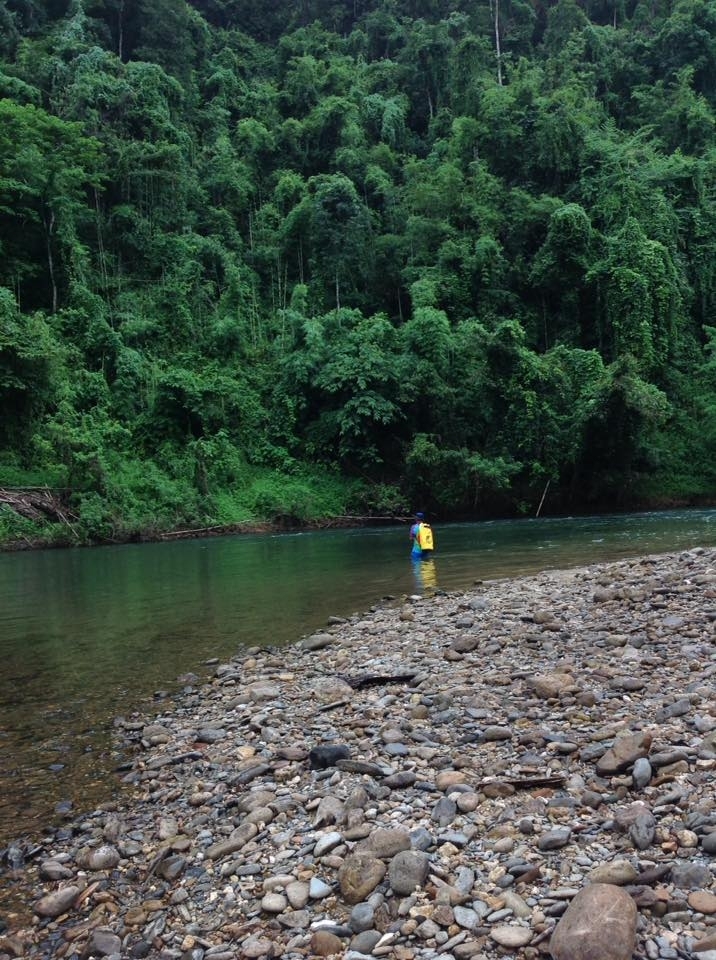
x,y
278,526
467,804
248,528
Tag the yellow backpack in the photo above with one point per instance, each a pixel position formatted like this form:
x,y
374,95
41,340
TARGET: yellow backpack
x,y
425,537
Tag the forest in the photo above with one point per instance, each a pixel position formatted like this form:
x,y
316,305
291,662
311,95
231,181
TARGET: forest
x,y
306,260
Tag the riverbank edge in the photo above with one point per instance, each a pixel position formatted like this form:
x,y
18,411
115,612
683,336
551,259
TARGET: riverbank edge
x,y
279,526
301,657
248,527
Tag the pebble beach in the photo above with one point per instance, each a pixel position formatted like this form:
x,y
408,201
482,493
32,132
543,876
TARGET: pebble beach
x,y
525,769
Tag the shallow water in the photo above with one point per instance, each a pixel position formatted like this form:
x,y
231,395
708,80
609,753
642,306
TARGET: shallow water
x,y
86,635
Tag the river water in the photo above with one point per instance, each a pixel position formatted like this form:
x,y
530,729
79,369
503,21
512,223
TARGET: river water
x,y
87,635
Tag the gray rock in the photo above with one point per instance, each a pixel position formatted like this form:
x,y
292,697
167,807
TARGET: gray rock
x,y
407,871
678,709
318,641
665,758
691,876
105,857
384,842
444,811
555,839
104,943
210,735
553,686
318,889
511,935
362,917
52,870
494,734
466,918
421,839
238,839
400,780
642,773
297,894
365,941
642,830
326,843
54,904
465,644
274,903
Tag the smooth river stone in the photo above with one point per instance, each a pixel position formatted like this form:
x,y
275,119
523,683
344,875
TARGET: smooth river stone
x,y
552,686
511,935
57,903
599,924
326,843
643,829
642,773
238,839
298,894
359,875
105,857
318,889
326,944
618,872
702,901
274,903
104,943
384,842
408,870
623,753
555,839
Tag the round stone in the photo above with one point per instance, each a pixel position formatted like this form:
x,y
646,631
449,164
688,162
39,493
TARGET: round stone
x,y
511,935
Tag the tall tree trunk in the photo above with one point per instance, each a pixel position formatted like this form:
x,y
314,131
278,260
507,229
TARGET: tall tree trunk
x,y
498,49
49,230
120,29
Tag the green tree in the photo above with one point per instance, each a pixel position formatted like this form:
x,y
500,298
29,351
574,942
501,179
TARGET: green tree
x,y
340,234
46,165
640,298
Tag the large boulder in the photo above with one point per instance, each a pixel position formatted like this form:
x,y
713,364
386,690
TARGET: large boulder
x,y
599,924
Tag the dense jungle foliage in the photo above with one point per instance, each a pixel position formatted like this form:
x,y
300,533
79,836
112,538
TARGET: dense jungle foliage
x,y
309,258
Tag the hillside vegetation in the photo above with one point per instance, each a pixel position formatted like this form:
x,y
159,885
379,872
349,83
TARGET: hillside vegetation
x,y
297,260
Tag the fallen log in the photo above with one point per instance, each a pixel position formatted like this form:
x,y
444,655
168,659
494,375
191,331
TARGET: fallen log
x,y
37,504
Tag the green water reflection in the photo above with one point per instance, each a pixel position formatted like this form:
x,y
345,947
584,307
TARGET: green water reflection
x,y
89,634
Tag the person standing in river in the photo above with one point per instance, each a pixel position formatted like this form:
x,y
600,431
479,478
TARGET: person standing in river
x,y
421,538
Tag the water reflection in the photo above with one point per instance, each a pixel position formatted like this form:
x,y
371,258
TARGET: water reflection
x,y
425,572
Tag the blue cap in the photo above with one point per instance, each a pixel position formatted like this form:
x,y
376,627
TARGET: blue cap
x,y
420,516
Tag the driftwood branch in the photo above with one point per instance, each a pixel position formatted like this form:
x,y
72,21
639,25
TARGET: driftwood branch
x,y
376,680
36,504
527,783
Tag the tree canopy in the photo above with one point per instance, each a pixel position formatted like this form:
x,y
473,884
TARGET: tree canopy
x,y
320,259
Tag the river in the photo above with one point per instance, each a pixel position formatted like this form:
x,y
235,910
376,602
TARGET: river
x,y
86,635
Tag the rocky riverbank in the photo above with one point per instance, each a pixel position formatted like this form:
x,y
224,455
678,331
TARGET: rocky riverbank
x,y
523,770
